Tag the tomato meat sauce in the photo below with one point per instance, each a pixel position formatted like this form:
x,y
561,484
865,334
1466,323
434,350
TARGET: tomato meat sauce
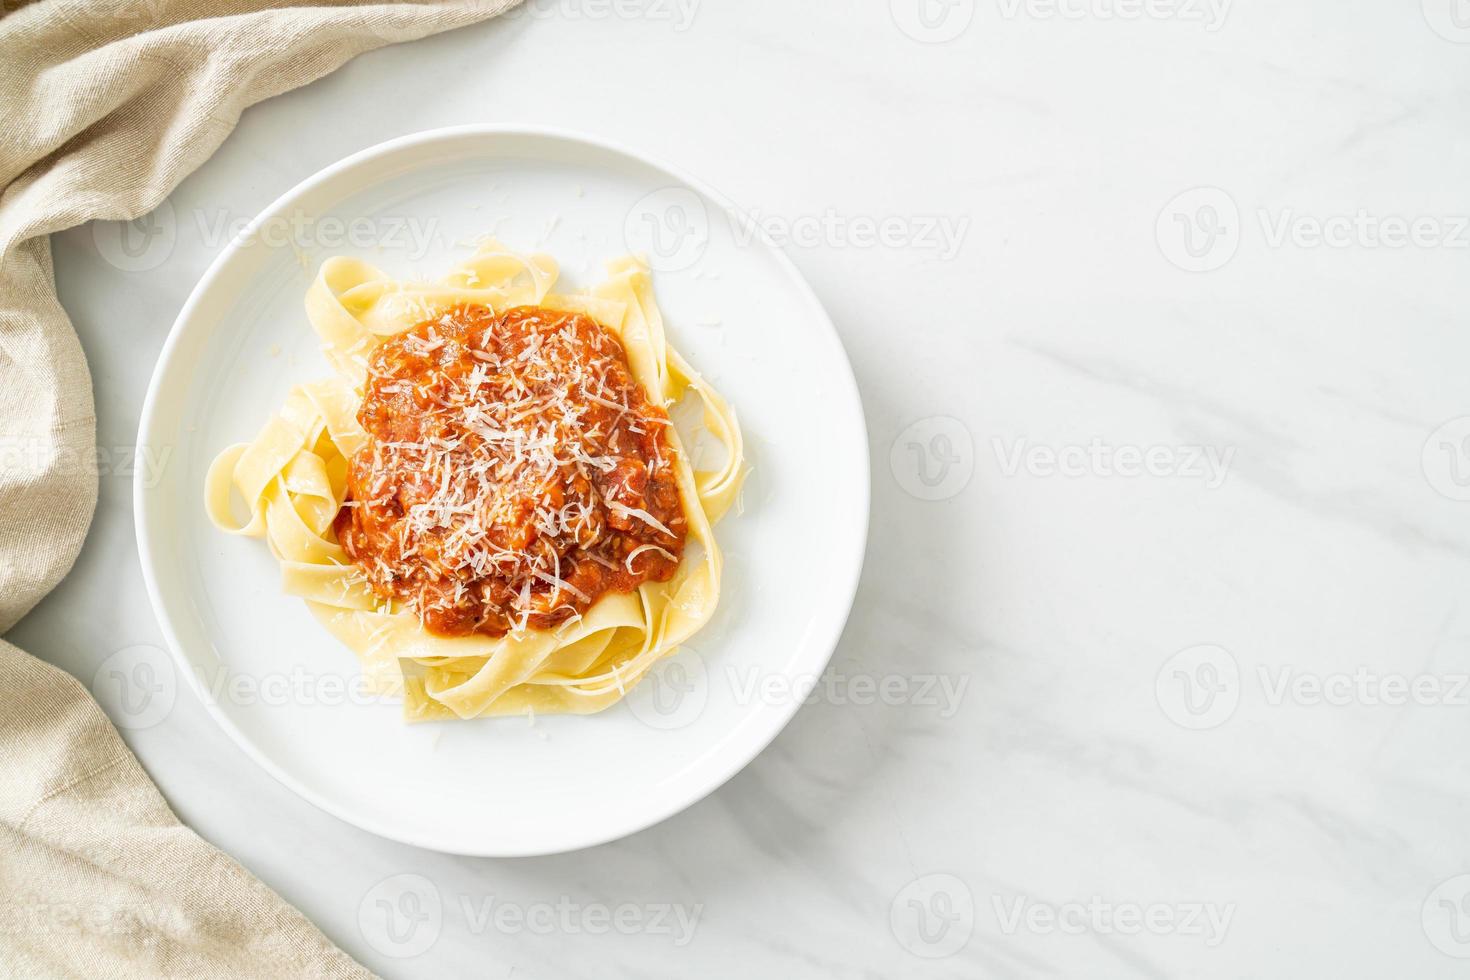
x,y
514,472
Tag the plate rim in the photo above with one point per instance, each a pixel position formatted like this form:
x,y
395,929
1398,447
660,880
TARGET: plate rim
x,y
144,533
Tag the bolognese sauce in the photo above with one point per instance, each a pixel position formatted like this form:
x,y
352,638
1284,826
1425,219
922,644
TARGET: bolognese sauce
x,y
514,471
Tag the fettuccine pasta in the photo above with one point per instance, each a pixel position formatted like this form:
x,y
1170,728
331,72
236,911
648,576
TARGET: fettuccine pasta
x,y
487,502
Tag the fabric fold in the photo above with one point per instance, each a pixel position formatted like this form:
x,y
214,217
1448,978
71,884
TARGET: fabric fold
x,y
103,110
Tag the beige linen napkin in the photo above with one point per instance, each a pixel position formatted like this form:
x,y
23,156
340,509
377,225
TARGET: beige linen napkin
x,y
104,108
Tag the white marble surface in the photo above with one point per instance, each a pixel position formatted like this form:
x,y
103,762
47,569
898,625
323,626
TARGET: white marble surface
x,y
1297,512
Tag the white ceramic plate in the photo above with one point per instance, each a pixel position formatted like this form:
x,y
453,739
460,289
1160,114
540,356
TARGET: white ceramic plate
x,y
737,308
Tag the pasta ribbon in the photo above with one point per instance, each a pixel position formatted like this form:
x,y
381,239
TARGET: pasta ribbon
x,y
292,478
